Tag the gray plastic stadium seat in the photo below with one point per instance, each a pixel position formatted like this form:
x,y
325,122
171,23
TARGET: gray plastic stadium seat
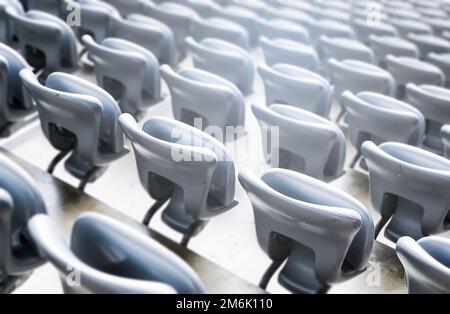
x,y
222,29
407,27
403,13
54,7
244,17
416,210
379,118
295,86
382,46
442,61
364,30
409,70
111,258
289,52
276,28
93,139
15,103
325,235
426,263
197,94
440,26
445,132
178,17
308,143
127,71
329,28
356,76
46,41
434,103
150,34
20,200
6,32
429,43
344,48
223,59
178,162
96,19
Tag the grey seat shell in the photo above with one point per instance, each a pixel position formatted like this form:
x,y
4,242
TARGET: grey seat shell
x,y
426,263
307,143
15,103
197,94
434,103
45,40
326,235
280,50
414,210
380,119
20,200
110,257
133,67
185,164
223,59
94,137
295,86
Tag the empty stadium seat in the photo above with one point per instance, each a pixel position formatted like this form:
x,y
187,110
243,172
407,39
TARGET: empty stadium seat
x,y
306,143
383,46
289,52
409,70
186,166
127,71
426,263
295,86
93,139
15,104
46,41
357,76
434,103
414,210
223,59
325,235
139,265
20,200
445,131
201,97
379,118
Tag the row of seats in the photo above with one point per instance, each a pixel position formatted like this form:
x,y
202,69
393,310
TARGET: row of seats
x,y
415,210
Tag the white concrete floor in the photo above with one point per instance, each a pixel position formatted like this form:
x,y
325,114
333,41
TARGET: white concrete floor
x,y
229,239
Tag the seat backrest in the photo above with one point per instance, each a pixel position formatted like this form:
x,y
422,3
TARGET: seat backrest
x,y
6,32
138,265
15,104
148,33
20,200
96,19
47,33
199,94
381,118
133,66
426,263
69,104
188,158
289,52
327,227
285,83
307,141
357,76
